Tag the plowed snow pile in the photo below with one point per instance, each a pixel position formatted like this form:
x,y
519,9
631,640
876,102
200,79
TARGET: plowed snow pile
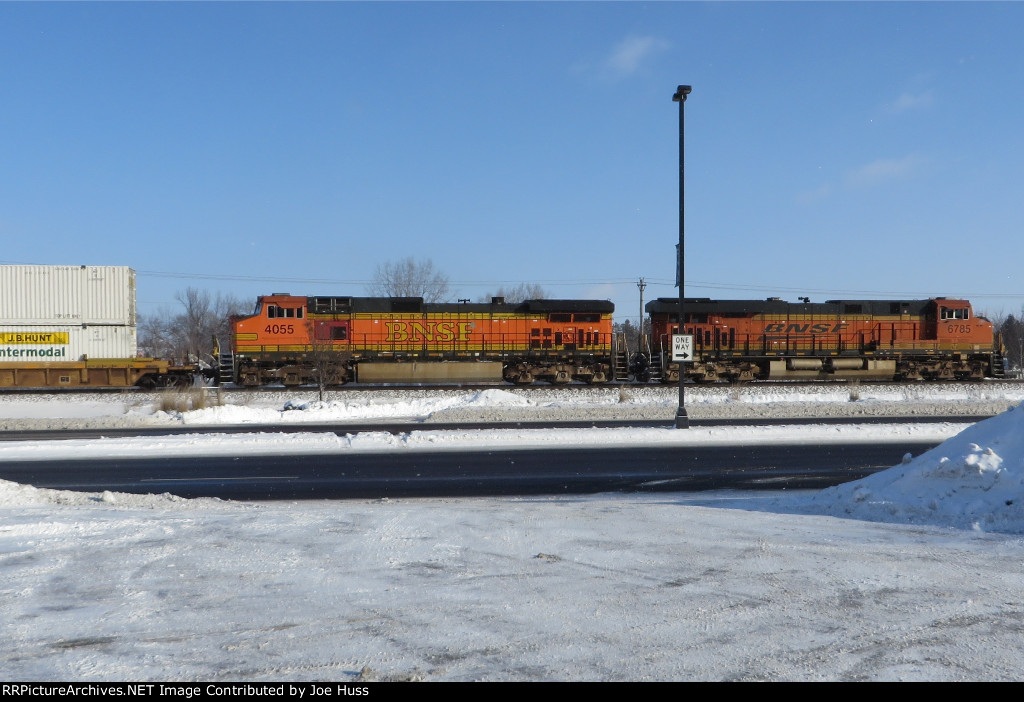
x,y
974,480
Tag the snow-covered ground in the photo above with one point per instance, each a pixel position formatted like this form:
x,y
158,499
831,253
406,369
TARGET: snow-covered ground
x,y
914,573
212,407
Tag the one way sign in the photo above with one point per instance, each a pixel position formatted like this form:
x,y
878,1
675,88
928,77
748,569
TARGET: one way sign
x,y
682,347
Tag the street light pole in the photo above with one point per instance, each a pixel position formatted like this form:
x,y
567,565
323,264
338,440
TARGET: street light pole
x,y
682,422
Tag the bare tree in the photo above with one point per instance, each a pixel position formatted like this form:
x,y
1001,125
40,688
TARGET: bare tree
x,y
196,321
1012,330
188,336
325,359
410,278
156,335
523,291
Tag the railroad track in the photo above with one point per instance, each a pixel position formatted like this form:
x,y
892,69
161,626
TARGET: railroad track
x,y
536,387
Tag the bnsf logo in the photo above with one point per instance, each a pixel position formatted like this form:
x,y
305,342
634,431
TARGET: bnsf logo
x,y
428,331
783,328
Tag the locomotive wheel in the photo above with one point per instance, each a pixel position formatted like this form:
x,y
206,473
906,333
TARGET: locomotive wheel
x,y
519,377
560,379
519,374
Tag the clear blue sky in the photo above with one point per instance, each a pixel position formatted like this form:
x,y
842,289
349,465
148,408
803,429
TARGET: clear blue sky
x,y
832,149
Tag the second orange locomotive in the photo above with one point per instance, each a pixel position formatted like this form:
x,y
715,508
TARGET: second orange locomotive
x,y
934,339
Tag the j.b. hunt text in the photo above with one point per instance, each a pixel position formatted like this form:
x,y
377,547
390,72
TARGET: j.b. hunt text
x,y
33,337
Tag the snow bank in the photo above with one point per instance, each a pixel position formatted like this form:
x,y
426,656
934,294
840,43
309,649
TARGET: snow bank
x,y
357,406
654,402
13,495
974,480
276,443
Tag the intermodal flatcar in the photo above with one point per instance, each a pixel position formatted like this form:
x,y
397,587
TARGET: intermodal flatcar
x,y
75,327
295,340
737,340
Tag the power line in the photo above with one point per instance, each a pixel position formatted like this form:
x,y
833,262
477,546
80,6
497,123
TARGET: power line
x,y
695,284
690,284
698,284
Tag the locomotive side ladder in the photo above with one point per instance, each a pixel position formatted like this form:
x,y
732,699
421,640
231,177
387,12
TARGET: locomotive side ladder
x,y
620,357
225,364
654,368
999,366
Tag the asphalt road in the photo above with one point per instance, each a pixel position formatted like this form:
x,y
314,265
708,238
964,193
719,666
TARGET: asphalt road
x,y
467,473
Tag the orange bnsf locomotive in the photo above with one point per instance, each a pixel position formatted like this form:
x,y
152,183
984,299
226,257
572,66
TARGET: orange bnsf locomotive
x,y
335,340
736,340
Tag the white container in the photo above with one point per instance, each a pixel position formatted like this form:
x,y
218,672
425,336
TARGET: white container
x,y
39,344
67,295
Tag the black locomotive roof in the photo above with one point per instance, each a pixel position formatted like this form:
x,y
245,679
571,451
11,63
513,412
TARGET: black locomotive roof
x,y
704,305
341,305
566,306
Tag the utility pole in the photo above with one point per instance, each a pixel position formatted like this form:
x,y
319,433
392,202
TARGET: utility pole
x,y
640,334
682,422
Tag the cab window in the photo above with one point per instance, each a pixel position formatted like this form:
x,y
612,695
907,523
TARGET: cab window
x,y
276,312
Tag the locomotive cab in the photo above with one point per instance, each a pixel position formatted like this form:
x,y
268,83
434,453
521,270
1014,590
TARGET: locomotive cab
x,y
953,322
271,345
278,320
